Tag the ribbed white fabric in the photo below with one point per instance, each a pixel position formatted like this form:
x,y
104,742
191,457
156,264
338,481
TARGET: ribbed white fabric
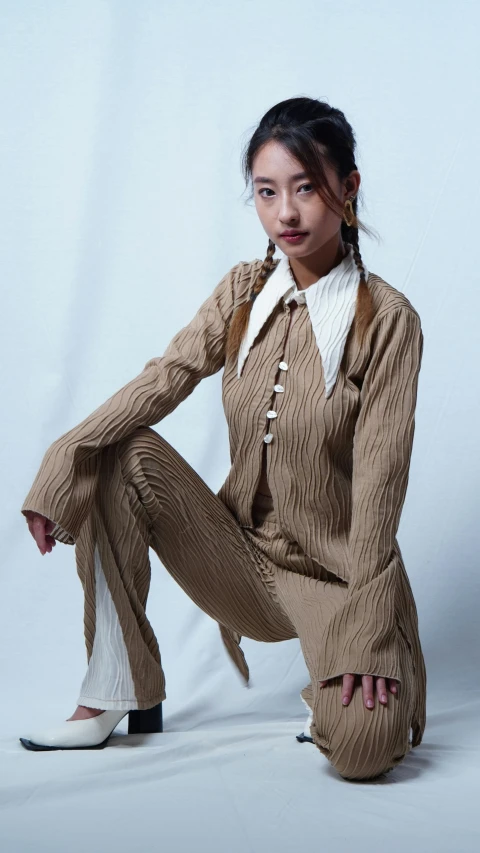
x,y
309,720
331,303
108,683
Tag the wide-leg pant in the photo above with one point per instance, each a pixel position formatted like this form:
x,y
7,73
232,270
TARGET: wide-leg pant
x,y
148,496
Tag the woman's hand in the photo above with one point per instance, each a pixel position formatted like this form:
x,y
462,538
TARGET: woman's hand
x,y
371,685
40,528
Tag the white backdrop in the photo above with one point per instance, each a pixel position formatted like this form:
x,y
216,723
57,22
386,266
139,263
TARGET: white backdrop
x,y
122,206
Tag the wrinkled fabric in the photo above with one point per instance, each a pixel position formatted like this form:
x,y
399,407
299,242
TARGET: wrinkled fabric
x,y
337,466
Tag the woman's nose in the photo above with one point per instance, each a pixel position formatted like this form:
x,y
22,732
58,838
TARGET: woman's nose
x,y
288,211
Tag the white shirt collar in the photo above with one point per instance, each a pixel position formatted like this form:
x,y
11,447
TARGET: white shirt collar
x,y
331,303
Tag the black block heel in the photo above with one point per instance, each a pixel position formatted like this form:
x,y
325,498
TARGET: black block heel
x,y
145,722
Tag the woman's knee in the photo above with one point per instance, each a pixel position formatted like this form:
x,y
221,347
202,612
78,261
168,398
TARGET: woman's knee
x,y
365,758
362,743
141,439
143,447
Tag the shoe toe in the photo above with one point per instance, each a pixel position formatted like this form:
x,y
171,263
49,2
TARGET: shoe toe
x,y
35,747
50,737
76,734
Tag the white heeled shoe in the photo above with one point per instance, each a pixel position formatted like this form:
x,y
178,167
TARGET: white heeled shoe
x,y
95,732
76,734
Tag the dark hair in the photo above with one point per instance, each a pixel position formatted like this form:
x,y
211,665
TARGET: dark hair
x,y
314,133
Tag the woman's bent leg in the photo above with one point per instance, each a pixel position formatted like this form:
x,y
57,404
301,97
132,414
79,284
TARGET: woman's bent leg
x,y
361,743
148,495
112,552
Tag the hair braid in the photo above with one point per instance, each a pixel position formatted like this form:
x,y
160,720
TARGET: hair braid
x,y
241,316
364,310
267,267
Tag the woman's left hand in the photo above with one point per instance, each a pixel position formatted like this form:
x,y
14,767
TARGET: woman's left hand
x,y
371,685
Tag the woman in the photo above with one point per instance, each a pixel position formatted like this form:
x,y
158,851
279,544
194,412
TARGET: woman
x,y
321,362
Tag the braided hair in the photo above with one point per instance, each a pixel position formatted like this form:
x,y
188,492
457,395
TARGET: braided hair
x,y
314,133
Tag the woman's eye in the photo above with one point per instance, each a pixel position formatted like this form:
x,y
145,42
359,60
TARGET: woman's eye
x,y
264,190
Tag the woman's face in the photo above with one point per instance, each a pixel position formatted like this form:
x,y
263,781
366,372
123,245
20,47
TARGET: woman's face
x,y
286,201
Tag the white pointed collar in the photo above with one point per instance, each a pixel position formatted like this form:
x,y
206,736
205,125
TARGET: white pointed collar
x,y
331,303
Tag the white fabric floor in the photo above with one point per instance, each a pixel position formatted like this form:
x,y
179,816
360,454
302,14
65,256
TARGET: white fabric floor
x,y
242,787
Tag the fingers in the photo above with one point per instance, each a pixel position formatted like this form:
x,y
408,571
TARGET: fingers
x,y
49,543
372,685
40,528
381,690
367,689
347,688
39,533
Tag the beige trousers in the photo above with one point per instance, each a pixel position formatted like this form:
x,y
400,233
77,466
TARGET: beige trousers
x,y
148,496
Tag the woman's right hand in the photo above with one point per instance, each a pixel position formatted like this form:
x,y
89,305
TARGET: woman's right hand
x,y
41,528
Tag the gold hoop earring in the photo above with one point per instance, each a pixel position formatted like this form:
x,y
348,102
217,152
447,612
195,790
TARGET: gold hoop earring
x,y
349,213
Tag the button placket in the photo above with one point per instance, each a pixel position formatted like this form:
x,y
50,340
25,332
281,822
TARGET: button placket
x,y
278,389
272,414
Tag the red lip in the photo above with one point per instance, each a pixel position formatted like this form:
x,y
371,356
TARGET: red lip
x,y
292,233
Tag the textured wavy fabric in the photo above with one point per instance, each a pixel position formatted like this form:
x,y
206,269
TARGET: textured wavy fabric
x,y
148,496
337,466
331,305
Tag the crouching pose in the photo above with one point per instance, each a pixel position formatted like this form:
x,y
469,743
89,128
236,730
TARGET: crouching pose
x,y
320,364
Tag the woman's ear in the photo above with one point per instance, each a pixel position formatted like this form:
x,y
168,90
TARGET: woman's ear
x,y
351,184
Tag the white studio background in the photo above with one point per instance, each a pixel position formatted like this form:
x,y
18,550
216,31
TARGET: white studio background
x,y
122,206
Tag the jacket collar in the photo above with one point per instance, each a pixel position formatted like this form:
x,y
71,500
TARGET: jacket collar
x,y
331,303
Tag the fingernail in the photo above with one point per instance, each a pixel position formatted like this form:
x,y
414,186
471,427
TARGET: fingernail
x,y
370,703
345,700
384,697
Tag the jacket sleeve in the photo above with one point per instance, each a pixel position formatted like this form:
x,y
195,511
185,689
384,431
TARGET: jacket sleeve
x,y
64,487
363,635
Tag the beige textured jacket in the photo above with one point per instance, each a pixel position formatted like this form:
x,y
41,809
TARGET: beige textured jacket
x,y
337,466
